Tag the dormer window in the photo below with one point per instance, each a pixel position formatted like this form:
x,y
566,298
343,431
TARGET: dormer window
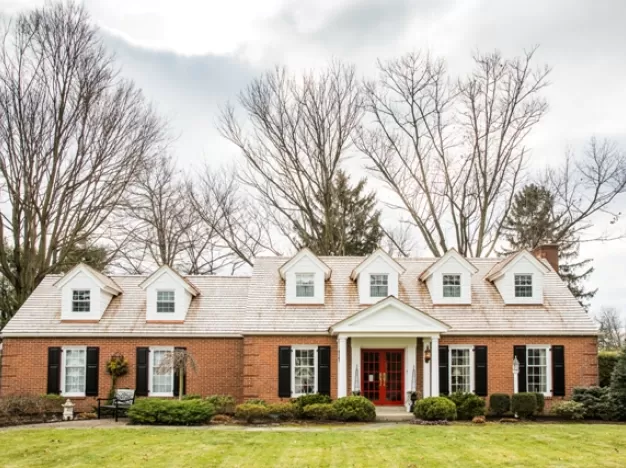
x,y
305,284
166,302
379,285
452,285
523,285
81,300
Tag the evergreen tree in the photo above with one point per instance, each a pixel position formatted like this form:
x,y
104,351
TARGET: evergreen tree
x,y
618,387
533,221
355,223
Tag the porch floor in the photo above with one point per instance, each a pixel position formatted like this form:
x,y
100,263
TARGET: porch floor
x,y
392,413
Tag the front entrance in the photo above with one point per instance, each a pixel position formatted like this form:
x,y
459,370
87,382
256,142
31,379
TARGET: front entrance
x,y
382,378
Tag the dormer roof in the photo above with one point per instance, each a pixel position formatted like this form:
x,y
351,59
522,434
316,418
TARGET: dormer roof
x,y
299,256
103,281
165,269
452,253
378,254
501,268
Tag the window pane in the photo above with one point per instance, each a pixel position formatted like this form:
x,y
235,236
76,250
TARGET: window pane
x,y
166,302
75,362
162,377
451,285
305,285
81,300
379,286
304,371
537,370
523,286
460,370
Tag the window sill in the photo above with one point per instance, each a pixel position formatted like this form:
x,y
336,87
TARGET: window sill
x,y
74,396
161,395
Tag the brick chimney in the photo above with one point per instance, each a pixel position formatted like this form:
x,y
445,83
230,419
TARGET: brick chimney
x,y
550,252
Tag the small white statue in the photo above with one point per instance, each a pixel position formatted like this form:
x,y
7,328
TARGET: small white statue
x,y
68,411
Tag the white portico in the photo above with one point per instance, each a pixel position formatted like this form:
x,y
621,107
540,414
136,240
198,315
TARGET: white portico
x,y
383,342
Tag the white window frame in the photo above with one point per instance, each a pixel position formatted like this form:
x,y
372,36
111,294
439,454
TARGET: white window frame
x,y
63,371
81,301
386,275
470,348
309,277
173,291
547,348
444,285
515,286
151,370
293,368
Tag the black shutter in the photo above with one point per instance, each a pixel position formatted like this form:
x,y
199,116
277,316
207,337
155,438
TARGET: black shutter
x,y
480,370
520,353
323,370
284,371
143,358
54,370
558,370
177,378
444,388
91,376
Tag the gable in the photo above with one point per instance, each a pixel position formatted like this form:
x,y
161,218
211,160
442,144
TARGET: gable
x,y
166,274
450,259
304,257
379,257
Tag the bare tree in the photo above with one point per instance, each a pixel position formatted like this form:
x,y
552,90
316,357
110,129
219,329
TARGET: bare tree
x,y
73,139
297,134
453,153
399,240
612,328
179,361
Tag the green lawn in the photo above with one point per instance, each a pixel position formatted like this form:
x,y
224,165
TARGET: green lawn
x,y
457,445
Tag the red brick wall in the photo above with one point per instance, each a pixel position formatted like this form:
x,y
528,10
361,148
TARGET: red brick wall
x,y
219,364
260,363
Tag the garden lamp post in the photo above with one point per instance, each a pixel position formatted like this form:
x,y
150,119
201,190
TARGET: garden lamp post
x,y
515,375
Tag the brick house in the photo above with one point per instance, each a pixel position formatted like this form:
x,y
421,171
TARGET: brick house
x,y
381,326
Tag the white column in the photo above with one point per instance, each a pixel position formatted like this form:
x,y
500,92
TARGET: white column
x,y
434,375
426,373
342,367
410,373
356,365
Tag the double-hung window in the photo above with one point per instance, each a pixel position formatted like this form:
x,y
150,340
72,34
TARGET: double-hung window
x,y
166,302
461,378
74,371
81,300
523,286
451,285
537,369
161,371
304,370
305,284
379,285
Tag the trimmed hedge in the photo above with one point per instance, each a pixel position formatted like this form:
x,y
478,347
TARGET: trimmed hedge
x,y
17,409
223,404
320,411
468,405
524,404
312,399
354,408
499,404
606,364
172,412
435,409
283,411
596,401
251,412
569,409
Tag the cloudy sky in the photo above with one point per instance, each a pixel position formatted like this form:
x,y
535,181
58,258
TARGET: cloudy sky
x,y
190,57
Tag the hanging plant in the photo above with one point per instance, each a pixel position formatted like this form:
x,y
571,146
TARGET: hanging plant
x,y
116,367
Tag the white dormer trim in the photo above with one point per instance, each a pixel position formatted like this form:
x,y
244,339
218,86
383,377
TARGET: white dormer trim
x,y
145,284
378,254
304,253
452,253
104,282
505,265
521,263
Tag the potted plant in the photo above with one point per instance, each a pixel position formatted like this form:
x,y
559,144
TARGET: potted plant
x,y
116,367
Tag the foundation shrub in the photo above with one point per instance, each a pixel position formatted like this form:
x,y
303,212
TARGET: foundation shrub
x,y
435,409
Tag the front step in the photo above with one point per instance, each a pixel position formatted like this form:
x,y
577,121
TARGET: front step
x,y
392,413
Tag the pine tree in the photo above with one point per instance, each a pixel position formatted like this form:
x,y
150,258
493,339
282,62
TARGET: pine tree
x,y
354,227
533,221
618,387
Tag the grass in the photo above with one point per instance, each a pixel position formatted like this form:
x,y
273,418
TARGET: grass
x,y
404,446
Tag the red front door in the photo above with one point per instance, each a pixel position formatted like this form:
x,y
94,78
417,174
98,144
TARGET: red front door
x,y
382,377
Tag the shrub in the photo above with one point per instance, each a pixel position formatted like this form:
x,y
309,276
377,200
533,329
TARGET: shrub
x,y
354,408
193,396
524,404
283,411
173,412
606,364
251,412
311,399
256,401
468,405
569,409
224,404
435,409
596,401
499,403
617,392
19,408
541,402
319,411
